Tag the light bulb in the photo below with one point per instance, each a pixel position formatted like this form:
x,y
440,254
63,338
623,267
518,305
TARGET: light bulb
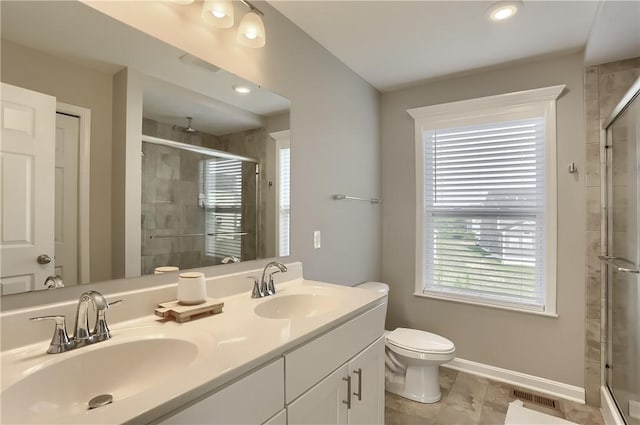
x,y
217,13
251,30
242,89
504,10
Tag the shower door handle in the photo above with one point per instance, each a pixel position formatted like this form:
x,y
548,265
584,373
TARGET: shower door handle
x,y
626,270
610,260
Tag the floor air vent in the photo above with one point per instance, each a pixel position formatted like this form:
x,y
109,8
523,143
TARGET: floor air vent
x,y
533,398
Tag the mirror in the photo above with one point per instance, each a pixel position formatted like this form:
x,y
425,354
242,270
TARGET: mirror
x,y
124,156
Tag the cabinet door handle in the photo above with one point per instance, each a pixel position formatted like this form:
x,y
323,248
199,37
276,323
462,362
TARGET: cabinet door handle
x,y
348,401
359,373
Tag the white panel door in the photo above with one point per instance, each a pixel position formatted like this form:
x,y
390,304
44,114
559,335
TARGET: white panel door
x,y
66,194
27,170
324,403
367,377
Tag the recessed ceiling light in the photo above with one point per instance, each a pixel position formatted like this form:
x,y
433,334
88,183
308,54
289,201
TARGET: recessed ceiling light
x,y
504,10
242,89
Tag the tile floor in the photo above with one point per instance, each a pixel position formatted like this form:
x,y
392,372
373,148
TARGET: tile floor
x,y
470,399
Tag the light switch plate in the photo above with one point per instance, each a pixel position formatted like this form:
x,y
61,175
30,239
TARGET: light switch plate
x,y
317,242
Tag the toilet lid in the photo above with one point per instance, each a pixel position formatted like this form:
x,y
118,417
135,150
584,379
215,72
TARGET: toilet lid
x,y
415,340
383,288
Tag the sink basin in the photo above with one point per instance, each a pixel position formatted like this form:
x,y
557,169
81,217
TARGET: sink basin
x,y
293,306
62,384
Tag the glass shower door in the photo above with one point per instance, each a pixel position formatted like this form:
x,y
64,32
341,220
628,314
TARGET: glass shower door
x,y
623,280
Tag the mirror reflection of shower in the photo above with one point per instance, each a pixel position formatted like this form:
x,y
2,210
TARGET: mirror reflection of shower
x,y
206,198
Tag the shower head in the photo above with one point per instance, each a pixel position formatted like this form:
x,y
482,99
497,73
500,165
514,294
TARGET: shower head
x,y
190,129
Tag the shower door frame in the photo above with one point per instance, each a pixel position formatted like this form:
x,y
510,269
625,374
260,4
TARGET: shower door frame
x,y
630,96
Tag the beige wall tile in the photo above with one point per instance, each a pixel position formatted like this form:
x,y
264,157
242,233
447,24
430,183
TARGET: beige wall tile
x,y
593,208
592,340
592,383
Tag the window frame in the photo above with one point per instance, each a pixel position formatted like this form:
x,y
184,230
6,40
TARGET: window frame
x,y
509,106
282,141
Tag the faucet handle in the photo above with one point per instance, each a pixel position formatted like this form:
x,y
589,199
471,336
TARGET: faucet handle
x,y
60,339
101,330
114,302
257,291
271,287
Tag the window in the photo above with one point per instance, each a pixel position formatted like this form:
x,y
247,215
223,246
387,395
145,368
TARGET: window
x,y
486,195
284,201
282,223
222,181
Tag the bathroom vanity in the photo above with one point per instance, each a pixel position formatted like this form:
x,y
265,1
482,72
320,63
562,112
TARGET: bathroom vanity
x,y
311,353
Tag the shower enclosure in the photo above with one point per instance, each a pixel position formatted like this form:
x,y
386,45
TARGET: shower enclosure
x,y
622,259
200,206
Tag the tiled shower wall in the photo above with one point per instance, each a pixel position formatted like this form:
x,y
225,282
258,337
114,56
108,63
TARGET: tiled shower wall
x,y
170,211
604,86
170,208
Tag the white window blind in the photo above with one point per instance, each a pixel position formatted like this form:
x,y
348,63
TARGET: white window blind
x,y
285,201
223,207
484,212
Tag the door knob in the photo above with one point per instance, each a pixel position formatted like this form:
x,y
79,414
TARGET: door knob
x,y
43,259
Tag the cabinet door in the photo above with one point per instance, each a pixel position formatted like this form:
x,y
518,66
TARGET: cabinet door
x,y
252,399
279,419
367,378
324,403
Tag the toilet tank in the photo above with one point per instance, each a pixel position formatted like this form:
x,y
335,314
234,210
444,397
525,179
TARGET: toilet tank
x,y
375,286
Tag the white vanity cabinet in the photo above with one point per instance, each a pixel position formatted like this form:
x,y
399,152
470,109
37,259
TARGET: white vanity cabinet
x,y
329,401
336,378
367,385
254,399
320,374
324,403
279,419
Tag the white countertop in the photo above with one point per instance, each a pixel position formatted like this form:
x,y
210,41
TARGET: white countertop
x,y
230,344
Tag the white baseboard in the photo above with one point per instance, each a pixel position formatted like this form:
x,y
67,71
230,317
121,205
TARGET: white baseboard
x,y
609,409
535,383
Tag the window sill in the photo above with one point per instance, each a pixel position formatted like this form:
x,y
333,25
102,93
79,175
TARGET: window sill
x,y
484,304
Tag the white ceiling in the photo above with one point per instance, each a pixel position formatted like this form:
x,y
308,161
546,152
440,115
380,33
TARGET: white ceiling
x,y
616,33
394,44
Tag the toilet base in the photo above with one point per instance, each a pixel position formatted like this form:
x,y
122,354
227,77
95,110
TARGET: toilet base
x,y
420,383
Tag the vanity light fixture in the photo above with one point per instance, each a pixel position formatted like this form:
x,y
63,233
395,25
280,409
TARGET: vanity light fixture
x,y
217,13
242,89
251,29
504,10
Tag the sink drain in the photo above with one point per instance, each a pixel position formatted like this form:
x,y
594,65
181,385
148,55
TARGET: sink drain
x,y
100,400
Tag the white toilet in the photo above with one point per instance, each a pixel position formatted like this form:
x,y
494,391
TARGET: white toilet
x,y
413,358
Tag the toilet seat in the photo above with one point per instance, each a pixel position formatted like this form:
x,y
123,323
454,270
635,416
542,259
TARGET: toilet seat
x,y
417,342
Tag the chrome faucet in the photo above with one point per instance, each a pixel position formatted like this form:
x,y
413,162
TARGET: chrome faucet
x,y
267,287
230,259
61,341
82,335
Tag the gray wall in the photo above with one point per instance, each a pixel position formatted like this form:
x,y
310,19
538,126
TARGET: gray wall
x,y
548,347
